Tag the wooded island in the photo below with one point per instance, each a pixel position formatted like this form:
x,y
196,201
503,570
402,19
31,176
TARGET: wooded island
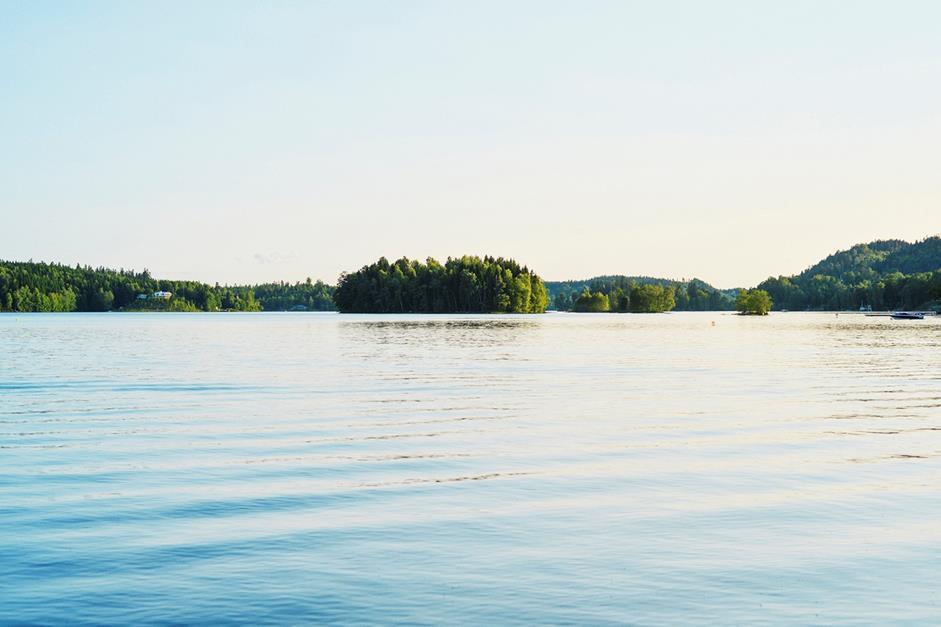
x,y
463,285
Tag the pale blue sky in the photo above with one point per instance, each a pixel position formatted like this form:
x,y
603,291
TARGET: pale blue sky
x,y
242,142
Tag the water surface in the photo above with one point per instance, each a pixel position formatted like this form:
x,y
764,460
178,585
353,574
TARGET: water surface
x,y
562,468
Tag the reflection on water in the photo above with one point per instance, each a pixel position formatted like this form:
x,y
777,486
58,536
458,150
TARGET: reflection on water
x,y
488,469
506,322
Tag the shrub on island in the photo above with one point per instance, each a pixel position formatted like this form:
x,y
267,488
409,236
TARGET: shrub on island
x,y
753,302
592,302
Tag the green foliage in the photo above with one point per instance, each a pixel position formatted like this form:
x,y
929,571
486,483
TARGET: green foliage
x,y
651,298
642,294
923,256
465,284
306,296
30,286
883,275
754,302
592,302
856,263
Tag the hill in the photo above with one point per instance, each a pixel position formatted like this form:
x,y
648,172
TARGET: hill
x,y
884,274
856,263
923,256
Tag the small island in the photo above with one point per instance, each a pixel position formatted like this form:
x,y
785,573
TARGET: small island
x,y
466,284
633,298
753,302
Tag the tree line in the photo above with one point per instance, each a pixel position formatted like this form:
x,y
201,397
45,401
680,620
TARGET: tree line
x,y
301,296
637,295
32,286
466,284
883,275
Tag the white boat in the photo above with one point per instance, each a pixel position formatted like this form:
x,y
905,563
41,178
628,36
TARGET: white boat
x,y
907,315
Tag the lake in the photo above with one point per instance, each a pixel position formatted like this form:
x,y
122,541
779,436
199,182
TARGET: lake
x,y
559,468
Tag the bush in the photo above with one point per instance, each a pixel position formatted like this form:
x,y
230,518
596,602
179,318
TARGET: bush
x,y
753,302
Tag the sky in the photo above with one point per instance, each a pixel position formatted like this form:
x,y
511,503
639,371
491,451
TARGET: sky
x,y
243,142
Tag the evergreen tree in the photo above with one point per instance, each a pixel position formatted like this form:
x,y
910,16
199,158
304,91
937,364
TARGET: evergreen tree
x,y
466,284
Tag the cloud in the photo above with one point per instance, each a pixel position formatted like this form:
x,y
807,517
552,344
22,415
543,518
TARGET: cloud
x,y
274,257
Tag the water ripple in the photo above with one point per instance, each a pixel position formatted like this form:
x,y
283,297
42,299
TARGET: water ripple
x,y
557,469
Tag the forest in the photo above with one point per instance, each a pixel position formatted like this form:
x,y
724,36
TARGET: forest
x,y
466,284
31,286
883,275
306,296
638,295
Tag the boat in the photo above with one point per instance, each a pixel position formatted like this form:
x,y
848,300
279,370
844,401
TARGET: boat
x,y
907,315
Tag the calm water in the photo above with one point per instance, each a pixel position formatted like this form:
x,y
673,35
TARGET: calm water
x,y
652,469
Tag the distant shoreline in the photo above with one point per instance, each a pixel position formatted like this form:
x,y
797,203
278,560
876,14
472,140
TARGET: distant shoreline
x,y
884,275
